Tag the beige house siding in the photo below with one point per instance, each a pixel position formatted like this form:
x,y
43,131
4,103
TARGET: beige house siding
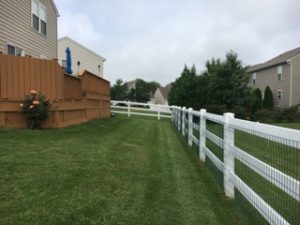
x,y
16,28
88,59
268,77
295,68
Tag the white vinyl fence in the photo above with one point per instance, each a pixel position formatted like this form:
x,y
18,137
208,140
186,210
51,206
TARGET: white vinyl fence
x,y
141,109
198,134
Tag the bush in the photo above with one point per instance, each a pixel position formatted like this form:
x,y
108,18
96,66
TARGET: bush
x,y
217,109
257,101
268,101
240,112
289,114
36,109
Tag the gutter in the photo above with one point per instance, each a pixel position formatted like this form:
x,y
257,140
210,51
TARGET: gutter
x,y
291,83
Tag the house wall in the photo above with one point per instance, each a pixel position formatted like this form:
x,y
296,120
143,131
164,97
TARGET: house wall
x,y
16,29
158,97
268,77
88,60
295,68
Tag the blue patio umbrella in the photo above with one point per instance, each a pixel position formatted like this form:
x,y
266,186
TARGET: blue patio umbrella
x,y
68,69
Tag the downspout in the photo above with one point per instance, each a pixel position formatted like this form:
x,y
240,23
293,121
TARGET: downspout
x,y
291,83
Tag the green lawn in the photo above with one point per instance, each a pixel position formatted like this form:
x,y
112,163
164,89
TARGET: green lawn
x,y
112,171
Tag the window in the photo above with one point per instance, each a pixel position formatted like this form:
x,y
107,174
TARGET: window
x,y
279,73
279,94
39,16
64,63
12,50
253,79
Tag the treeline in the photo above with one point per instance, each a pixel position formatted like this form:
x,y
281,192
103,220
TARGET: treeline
x,y
141,92
224,87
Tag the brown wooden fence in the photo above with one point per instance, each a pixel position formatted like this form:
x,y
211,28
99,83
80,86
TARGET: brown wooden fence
x,y
75,99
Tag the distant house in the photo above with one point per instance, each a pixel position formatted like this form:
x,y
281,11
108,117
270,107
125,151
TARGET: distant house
x,y
82,57
161,95
28,28
131,84
282,74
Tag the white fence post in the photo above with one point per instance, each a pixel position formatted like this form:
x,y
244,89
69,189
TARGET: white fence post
x,y
128,105
190,127
202,134
228,156
178,119
183,120
158,114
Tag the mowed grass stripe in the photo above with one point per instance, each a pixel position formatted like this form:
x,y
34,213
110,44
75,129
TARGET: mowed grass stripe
x,y
112,171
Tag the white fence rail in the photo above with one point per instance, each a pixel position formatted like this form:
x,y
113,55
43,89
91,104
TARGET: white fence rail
x,y
183,119
141,109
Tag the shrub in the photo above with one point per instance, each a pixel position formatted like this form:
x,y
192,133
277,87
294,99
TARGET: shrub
x,y
257,101
268,102
36,108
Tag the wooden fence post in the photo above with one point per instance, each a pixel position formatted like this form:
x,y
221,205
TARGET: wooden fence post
x,y
228,155
128,106
190,127
202,134
183,120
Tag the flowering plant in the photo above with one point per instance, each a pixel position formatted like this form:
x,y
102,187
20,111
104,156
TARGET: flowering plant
x,y
36,108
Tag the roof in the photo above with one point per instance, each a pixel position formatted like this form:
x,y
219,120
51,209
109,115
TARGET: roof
x,y
131,83
55,8
80,45
280,59
165,90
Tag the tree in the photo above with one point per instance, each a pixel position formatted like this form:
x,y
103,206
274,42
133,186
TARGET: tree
x,y
184,90
257,101
268,102
119,91
228,83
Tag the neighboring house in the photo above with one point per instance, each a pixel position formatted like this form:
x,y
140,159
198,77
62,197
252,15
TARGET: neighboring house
x,y
130,84
82,57
161,95
282,74
28,28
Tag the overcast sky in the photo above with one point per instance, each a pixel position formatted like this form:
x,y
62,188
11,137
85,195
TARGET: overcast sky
x,y
153,39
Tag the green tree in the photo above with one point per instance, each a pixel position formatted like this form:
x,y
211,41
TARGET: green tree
x,y
228,83
184,91
268,101
257,101
119,91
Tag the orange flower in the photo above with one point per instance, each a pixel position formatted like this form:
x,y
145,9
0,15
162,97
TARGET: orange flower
x,y
36,102
21,105
31,107
33,92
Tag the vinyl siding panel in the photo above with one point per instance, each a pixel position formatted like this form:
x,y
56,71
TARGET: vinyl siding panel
x,y
16,29
268,77
88,60
296,80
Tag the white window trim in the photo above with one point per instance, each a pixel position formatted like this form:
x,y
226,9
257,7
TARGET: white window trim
x,y
15,46
39,4
279,72
254,79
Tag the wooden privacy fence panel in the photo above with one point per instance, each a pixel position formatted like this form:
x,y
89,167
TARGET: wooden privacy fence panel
x,y
19,75
94,84
72,88
75,99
